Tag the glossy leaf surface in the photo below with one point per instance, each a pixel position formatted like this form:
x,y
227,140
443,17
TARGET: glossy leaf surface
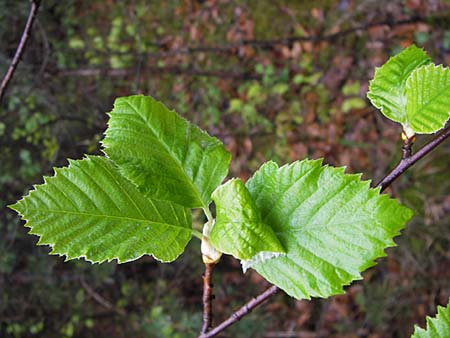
x,y
387,89
239,230
90,210
428,99
438,327
331,224
167,157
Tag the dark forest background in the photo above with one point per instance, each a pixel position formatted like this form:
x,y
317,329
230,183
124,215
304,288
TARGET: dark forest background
x,y
280,80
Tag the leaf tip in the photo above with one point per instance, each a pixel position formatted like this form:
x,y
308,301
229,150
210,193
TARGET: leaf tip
x,y
16,206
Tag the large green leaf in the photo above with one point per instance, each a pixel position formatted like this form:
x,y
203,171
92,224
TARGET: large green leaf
x,y
90,210
331,224
387,89
238,230
167,157
428,94
438,327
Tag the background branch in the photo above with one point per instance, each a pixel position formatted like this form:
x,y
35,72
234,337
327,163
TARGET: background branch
x,y
231,47
20,48
100,299
87,72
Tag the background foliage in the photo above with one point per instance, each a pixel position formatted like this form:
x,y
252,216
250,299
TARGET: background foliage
x,y
226,66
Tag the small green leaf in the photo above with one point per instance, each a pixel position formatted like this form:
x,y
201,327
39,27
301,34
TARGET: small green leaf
x,y
238,230
280,88
387,89
167,157
351,88
254,91
235,105
428,97
331,224
438,327
90,210
298,79
353,103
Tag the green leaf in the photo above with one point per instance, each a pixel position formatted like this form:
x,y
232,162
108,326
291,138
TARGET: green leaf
x,y
280,88
351,88
353,103
167,157
428,97
331,224
238,230
235,105
90,210
387,89
438,327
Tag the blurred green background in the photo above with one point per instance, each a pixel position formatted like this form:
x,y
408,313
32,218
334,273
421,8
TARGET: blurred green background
x,y
280,80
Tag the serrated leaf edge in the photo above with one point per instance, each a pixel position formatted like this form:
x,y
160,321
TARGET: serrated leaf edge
x,y
65,255
406,125
430,321
218,142
373,191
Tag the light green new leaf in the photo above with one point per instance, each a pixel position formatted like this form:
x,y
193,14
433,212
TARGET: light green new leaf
x,y
90,210
332,226
387,89
438,327
167,157
428,99
238,230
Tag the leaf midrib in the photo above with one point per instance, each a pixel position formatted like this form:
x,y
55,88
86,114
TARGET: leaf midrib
x,y
166,147
424,105
122,218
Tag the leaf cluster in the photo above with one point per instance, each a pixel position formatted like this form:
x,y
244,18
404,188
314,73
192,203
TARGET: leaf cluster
x,y
308,228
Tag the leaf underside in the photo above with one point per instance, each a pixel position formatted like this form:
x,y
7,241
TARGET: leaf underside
x,y
167,157
438,327
90,210
387,89
239,230
428,94
331,224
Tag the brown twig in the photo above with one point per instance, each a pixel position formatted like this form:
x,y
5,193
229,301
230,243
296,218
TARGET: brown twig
x,y
407,146
20,48
243,311
407,162
207,298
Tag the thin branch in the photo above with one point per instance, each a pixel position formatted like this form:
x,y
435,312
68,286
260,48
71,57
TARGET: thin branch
x,y
271,43
407,162
207,298
264,44
20,48
243,311
158,70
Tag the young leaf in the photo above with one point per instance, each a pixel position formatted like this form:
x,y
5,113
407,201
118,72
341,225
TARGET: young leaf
x,y
438,327
387,89
428,97
331,224
89,210
238,230
167,157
